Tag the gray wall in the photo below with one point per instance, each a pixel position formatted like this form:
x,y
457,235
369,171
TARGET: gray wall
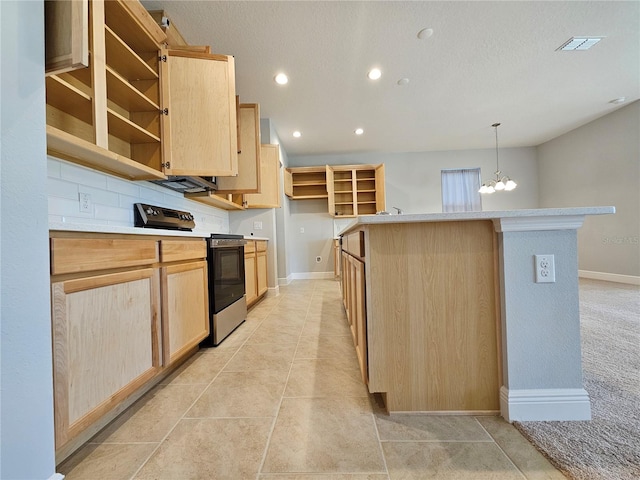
x,y
540,321
412,183
599,164
26,438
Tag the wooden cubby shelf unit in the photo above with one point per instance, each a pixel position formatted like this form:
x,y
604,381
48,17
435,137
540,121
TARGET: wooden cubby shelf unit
x,y
306,183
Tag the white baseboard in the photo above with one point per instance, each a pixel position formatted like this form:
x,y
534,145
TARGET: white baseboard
x,y
285,281
313,276
545,404
56,476
610,277
273,291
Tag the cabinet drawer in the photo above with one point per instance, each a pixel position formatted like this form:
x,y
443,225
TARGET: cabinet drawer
x,y
261,245
353,243
72,255
177,250
250,247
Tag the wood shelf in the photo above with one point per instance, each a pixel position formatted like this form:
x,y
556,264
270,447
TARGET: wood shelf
x,y
128,131
126,95
124,60
134,25
69,99
64,145
214,200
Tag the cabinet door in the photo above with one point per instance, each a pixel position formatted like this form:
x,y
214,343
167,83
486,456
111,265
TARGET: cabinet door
x,y
250,279
261,274
269,197
199,131
248,178
359,315
66,31
185,308
105,345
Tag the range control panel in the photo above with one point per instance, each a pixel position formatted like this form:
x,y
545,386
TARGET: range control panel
x,y
149,216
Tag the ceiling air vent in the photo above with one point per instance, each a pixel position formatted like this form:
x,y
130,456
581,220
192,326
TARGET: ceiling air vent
x,y
579,43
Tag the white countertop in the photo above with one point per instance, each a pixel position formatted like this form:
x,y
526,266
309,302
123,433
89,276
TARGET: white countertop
x,y
83,227
484,215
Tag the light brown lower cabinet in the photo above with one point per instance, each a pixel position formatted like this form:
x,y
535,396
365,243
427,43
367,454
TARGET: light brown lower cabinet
x,y
184,292
119,319
353,290
255,268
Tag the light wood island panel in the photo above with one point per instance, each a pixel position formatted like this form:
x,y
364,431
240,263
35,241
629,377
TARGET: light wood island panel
x,y
432,316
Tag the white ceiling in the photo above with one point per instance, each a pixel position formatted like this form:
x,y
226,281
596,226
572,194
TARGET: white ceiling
x,y
486,62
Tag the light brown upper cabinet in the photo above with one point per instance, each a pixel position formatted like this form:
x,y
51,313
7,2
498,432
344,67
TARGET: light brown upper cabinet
x,y
355,189
248,178
66,31
269,197
304,183
117,115
200,126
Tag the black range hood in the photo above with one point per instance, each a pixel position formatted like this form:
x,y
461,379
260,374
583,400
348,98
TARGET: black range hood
x,y
187,184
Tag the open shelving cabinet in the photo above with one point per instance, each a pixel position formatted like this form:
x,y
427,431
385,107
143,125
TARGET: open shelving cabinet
x,y
305,183
355,189
108,115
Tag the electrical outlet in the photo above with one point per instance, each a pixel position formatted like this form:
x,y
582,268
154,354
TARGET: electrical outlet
x,y
85,202
301,229
545,269
257,225
318,259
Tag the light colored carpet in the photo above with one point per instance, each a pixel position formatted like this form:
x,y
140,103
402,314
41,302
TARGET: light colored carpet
x,y
608,446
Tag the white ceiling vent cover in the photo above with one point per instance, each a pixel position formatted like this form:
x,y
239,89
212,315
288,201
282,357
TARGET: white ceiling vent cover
x,y
579,43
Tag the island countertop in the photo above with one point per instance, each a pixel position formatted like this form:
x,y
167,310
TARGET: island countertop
x,y
481,215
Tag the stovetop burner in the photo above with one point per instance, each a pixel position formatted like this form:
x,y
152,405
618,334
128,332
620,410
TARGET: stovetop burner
x,y
149,216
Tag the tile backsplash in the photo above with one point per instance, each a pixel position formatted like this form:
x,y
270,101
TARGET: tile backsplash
x,y
112,199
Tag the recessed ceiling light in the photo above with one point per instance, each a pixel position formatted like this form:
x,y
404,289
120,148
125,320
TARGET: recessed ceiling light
x,y
358,131
281,79
374,74
619,100
579,43
297,134
403,81
425,33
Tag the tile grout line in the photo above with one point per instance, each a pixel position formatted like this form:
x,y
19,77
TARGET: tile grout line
x,y
500,448
132,477
275,418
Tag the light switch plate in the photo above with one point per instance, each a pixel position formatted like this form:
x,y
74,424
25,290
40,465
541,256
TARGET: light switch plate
x,y
257,225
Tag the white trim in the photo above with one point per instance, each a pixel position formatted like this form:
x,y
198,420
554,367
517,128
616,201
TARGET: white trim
x,y
610,277
285,281
545,404
273,291
313,276
529,224
56,476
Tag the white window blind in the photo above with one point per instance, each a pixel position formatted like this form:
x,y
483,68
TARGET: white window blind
x,y
460,190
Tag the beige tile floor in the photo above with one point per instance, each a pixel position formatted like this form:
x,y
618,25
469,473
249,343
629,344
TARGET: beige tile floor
x,y
282,399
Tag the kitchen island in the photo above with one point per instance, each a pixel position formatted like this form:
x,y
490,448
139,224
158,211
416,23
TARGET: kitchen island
x,y
448,316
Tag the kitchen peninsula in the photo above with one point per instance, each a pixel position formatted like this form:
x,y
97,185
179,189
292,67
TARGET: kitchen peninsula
x,y
448,316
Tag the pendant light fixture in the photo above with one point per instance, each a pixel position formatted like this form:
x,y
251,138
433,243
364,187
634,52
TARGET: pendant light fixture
x,y
501,182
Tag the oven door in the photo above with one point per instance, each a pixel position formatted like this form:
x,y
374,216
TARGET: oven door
x,y
226,275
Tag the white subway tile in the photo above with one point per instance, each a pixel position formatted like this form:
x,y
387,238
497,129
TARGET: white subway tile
x,y
53,167
99,196
151,196
104,212
83,176
65,207
123,187
62,188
